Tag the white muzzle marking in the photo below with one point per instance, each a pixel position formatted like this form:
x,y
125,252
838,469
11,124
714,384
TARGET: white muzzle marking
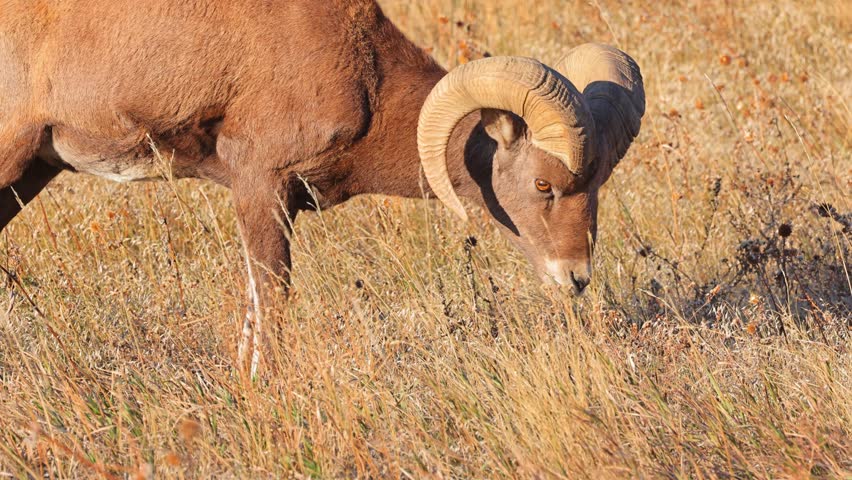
x,y
566,272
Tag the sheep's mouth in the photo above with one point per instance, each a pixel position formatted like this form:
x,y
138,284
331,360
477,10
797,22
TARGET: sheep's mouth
x,y
569,288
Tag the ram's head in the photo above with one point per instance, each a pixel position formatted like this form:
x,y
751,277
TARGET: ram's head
x,y
556,134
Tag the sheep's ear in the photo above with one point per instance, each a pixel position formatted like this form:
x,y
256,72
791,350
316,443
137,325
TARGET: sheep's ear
x,y
504,127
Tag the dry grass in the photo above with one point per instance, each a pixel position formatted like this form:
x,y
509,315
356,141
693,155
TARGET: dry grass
x,y
714,343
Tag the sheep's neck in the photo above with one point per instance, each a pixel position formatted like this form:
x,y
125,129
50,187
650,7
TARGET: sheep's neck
x,y
387,161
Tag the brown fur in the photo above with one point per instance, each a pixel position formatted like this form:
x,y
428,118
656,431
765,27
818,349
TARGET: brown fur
x,y
256,95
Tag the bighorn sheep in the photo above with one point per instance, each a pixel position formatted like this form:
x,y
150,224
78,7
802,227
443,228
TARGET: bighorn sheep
x,y
257,95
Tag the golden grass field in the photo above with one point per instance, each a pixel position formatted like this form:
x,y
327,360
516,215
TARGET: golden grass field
x,y
714,343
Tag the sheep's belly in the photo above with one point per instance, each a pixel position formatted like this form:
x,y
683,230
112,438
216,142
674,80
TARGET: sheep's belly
x,y
124,167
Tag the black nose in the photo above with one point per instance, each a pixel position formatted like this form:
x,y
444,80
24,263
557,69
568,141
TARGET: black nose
x,y
580,282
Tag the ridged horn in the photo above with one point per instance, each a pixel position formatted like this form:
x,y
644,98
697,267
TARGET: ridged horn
x,y
612,86
554,111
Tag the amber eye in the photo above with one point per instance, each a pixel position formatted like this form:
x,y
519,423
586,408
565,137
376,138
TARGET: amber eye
x,y
543,186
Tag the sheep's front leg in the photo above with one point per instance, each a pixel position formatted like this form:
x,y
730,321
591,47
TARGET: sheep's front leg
x,y
265,226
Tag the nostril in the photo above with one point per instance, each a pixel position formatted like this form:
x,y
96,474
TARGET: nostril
x,y
580,282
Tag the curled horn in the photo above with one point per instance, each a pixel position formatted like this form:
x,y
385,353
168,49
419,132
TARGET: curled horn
x,y
555,113
612,86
